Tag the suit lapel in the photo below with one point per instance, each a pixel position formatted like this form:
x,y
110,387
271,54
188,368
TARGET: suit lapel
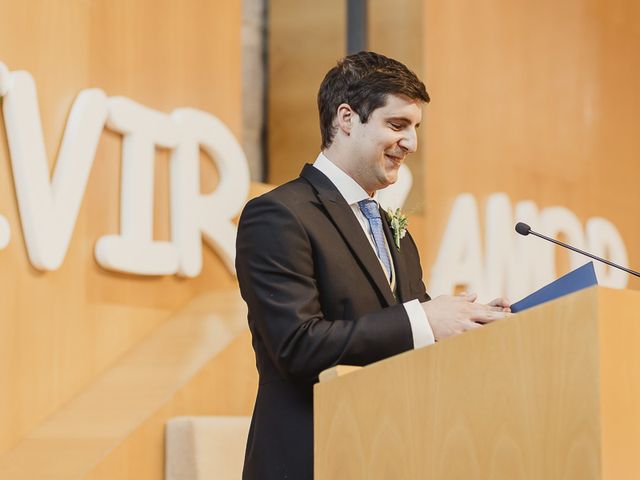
x,y
347,224
402,287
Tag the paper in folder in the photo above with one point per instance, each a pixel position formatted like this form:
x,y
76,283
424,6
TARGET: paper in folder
x,y
582,277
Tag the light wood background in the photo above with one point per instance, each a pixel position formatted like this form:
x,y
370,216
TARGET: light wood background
x,y
198,362
305,40
538,100
59,330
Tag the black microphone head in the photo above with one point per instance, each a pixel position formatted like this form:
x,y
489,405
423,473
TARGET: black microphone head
x,y
523,228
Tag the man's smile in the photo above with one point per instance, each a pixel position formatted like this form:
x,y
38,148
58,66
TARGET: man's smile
x,y
397,160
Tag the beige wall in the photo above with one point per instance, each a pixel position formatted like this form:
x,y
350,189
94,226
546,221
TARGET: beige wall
x,y
305,39
59,329
538,100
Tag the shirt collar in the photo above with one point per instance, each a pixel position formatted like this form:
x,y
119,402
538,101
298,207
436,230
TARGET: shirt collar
x,y
351,191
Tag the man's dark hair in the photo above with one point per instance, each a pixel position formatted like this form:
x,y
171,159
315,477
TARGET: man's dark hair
x,y
363,81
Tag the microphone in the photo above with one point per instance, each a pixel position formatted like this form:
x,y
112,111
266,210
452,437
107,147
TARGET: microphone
x,y
524,229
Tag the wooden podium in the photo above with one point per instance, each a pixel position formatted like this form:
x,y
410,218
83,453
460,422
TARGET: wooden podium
x,y
550,393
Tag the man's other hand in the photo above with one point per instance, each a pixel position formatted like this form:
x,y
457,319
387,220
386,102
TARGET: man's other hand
x,y
451,315
502,303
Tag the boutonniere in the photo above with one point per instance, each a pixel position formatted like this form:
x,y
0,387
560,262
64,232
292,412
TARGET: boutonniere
x,y
399,222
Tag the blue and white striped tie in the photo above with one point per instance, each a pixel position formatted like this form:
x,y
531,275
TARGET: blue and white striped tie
x,y
370,210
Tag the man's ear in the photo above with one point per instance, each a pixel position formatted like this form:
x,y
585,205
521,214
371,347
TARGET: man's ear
x,y
345,118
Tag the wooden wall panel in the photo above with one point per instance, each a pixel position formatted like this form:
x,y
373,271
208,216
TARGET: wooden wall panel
x,y
306,38
538,100
59,329
198,362
217,390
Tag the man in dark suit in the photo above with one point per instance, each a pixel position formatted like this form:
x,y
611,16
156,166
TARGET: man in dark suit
x,y
320,269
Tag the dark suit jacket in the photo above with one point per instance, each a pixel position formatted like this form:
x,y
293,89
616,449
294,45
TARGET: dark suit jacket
x,y
317,297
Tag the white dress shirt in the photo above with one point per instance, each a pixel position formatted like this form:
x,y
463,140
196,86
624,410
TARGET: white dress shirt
x,y
352,192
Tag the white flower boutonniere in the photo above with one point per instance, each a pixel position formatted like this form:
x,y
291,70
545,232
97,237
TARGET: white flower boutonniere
x,y
399,224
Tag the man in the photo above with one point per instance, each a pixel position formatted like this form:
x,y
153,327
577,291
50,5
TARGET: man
x,y
319,268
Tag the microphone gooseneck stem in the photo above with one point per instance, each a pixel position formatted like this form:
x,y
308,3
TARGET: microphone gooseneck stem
x,y
562,244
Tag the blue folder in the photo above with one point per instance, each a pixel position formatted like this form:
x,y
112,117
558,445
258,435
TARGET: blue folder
x,y
582,277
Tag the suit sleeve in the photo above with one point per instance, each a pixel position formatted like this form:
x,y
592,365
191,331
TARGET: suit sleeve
x,y
417,285
274,263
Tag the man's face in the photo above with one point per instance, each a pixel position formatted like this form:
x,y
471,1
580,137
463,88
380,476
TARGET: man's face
x,y
379,146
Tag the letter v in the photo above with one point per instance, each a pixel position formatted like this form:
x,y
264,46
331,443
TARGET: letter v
x,y
49,209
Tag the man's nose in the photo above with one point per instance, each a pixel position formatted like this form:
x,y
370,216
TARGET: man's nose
x,y
409,143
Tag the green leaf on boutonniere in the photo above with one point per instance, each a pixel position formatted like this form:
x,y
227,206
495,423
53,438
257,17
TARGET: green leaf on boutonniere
x,y
398,222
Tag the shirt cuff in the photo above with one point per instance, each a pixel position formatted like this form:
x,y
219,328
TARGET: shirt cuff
x,y
420,328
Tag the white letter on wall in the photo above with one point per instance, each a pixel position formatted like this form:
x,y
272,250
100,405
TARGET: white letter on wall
x,y
459,260
5,229
210,213
134,250
556,220
49,209
512,266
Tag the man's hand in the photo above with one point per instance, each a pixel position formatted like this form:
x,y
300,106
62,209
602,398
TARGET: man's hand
x,y
502,303
450,315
